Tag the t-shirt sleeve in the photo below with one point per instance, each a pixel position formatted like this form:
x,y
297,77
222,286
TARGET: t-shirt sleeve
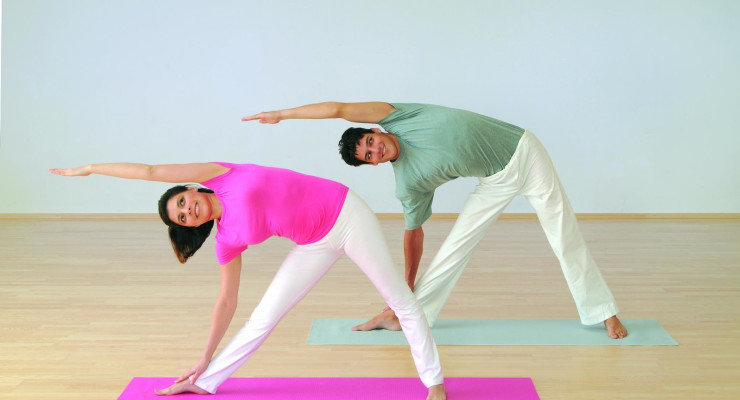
x,y
417,208
396,121
224,253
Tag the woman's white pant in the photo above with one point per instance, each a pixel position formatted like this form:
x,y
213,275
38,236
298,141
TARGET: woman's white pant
x,y
530,173
356,233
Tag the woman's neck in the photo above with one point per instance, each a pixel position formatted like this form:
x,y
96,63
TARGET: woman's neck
x,y
216,208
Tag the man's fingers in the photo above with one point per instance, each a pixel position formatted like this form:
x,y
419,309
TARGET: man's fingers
x,y
251,117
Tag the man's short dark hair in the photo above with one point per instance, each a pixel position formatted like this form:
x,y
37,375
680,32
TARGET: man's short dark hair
x,y
348,145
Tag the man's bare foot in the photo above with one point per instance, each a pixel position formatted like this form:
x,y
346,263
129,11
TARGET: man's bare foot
x,y
182,387
614,328
385,320
437,392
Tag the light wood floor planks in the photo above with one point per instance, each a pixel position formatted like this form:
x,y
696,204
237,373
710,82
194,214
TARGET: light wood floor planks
x,y
88,304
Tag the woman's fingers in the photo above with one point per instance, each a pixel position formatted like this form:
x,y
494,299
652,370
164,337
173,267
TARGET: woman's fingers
x,y
79,171
185,376
270,117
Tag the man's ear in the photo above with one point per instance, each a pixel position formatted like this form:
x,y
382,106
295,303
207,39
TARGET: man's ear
x,y
376,130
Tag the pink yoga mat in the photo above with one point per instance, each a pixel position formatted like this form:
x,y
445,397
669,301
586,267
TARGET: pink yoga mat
x,y
343,389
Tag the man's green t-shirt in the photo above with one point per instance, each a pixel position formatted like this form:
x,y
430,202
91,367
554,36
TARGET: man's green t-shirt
x,y
439,144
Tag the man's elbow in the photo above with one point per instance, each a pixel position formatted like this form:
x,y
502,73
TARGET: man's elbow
x,y
338,110
415,233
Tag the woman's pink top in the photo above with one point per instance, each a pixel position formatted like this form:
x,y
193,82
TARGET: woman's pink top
x,y
259,202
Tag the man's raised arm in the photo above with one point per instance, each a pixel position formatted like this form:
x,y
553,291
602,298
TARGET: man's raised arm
x,y
370,112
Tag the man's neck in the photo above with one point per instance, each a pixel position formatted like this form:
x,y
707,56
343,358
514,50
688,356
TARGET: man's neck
x,y
398,145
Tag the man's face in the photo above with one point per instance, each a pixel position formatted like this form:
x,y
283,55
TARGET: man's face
x,y
377,147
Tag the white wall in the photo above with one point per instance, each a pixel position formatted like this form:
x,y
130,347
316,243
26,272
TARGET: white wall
x,y
637,101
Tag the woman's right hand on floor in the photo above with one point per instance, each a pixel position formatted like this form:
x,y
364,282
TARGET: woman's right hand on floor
x,y
194,372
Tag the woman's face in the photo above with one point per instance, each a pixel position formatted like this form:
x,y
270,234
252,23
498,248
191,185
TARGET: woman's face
x,y
189,208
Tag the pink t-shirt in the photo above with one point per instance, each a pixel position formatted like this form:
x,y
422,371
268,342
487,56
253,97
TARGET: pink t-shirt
x,y
259,202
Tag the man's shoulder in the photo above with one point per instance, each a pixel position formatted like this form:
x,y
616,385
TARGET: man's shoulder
x,y
409,182
403,112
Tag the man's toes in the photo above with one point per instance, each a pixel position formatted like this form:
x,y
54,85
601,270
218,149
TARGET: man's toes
x,y
360,327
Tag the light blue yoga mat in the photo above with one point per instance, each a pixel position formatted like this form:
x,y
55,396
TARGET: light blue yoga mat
x,y
501,332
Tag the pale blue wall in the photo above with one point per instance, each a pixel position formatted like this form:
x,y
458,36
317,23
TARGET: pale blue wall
x,y
637,101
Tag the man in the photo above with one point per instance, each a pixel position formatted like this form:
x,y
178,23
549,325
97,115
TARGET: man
x,y
429,145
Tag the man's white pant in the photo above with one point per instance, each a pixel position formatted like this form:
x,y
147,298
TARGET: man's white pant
x,y
530,173
357,233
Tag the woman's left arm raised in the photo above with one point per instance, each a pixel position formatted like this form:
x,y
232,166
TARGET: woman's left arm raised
x,y
173,173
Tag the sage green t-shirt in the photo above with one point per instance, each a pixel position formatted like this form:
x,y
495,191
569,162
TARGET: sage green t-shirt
x,y
439,144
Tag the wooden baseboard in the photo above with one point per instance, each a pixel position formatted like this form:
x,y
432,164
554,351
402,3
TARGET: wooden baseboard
x,y
588,216
602,216
80,216
389,216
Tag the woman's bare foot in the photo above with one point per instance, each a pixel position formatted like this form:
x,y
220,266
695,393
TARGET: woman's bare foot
x,y
182,387
437,392
614,328
385,320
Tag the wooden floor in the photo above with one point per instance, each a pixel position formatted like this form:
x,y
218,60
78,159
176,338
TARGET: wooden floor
x,y
88,304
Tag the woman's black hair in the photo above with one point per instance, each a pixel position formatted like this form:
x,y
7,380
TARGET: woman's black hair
x,y
185,240
348,145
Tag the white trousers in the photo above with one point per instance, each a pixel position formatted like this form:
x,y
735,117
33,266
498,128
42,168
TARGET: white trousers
x,y
357,233
530,173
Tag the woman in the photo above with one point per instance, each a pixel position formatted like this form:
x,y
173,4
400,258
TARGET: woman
x,y
249,204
